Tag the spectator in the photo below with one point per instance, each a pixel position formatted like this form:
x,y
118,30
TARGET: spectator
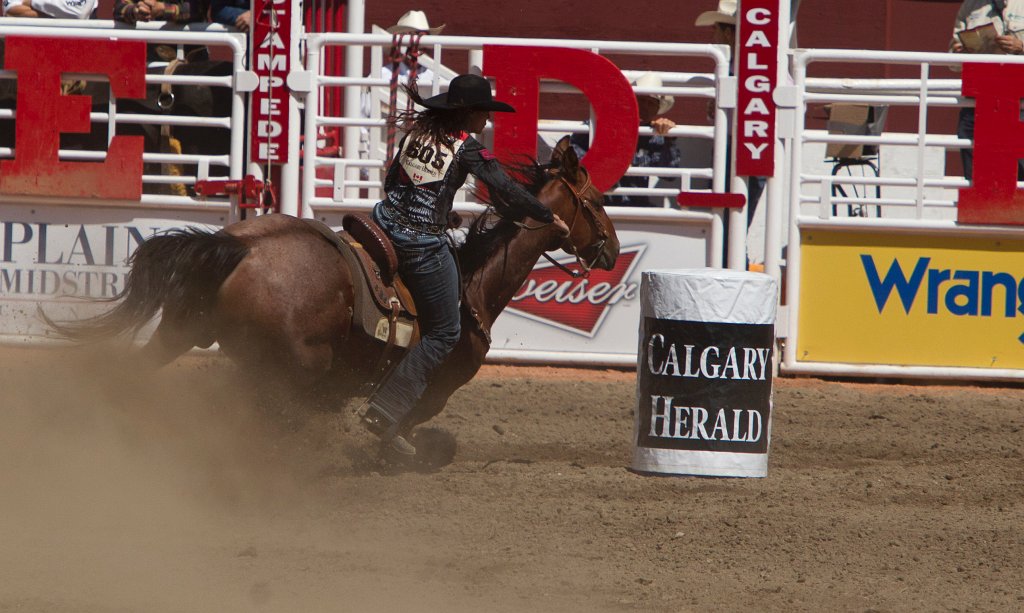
x,y
411,23
1007,18
235,13
654,151
723,24
405,51
173,11
56,9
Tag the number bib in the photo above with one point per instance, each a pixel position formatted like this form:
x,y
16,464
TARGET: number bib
x,y
426,163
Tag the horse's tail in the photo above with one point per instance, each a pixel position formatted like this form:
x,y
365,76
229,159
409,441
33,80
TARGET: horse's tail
x,y
179,271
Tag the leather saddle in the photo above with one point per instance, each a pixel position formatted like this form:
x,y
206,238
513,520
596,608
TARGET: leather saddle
x,y
382,305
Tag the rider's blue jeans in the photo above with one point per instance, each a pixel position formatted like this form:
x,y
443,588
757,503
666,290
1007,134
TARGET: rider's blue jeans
x,y
428,268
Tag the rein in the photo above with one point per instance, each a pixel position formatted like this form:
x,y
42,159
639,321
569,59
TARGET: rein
x,y
567,245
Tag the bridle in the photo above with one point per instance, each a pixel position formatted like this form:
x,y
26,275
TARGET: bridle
x,y
587,205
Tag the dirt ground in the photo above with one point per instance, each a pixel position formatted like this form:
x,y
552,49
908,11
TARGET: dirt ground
x,y
121,491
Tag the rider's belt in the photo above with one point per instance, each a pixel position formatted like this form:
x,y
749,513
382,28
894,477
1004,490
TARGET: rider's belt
x,y
415,226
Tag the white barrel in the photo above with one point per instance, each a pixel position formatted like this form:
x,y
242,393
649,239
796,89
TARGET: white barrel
x,y
704,373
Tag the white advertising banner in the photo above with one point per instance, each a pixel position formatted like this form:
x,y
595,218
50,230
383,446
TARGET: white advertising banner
x,y
64,259
557,319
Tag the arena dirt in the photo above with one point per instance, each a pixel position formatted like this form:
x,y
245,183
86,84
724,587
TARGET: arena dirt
x,y
126,491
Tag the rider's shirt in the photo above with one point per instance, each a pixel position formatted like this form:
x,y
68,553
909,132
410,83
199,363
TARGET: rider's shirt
x,y
422,180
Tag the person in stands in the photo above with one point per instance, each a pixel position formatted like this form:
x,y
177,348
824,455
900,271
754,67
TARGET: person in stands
x,y
56,9
1005,19
171,11
652,151
396,70
722,22
411,23
431,163
236,13
174,11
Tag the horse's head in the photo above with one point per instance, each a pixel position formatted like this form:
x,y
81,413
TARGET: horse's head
x,y
574,198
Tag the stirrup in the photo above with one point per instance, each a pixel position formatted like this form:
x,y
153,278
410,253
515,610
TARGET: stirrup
x,y
375,421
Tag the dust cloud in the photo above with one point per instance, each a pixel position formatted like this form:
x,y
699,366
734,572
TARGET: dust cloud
x,y
121,489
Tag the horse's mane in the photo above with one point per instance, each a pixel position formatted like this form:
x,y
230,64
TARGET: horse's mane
x,y
485,235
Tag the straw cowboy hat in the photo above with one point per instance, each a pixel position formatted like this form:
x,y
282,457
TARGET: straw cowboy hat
x,y
726,13
651,80
470,92
414,21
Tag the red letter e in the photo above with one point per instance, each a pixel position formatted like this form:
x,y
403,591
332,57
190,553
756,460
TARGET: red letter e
x,y
43,114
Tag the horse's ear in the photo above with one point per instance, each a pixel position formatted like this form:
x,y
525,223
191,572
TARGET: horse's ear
x,y
564,156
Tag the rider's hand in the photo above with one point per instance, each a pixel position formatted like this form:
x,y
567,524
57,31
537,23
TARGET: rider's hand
x,y
561,225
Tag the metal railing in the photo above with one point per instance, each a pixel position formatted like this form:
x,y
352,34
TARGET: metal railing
x,y
910,197
191,167
352,179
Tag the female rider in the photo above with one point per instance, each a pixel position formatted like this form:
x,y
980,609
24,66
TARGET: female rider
x,y
430,165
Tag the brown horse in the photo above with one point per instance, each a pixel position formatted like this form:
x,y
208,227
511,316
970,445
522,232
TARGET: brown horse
x,y
278,297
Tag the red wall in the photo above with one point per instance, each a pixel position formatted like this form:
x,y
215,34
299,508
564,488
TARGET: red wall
x,y
906,25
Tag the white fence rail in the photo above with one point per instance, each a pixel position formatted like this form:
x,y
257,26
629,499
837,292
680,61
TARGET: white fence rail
x,y
190,168
906,192
352,179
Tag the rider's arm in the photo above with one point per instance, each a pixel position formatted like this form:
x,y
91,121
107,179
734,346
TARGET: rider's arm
x,y
485,167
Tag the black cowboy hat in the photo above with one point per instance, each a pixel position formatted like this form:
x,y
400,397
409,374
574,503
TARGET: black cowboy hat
x,y
470,92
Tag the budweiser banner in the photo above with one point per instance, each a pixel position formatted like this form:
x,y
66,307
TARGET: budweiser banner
x,y
704,373
555,318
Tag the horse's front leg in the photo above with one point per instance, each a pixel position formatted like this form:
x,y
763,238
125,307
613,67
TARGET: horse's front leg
x,y
458,369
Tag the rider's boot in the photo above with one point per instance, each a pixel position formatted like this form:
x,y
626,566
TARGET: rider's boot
x,y
378,423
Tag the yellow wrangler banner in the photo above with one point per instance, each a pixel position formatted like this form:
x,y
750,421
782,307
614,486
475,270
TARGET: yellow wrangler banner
x,y
911,300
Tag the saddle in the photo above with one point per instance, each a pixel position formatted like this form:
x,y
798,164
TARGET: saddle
x,y
382,305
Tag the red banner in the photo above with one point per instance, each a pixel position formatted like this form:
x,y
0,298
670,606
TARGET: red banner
x,y
271,58
757,41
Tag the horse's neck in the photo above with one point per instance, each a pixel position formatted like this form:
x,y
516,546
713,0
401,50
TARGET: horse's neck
x,y
490,288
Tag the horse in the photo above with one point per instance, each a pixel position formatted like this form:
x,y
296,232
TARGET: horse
x,y
278,296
